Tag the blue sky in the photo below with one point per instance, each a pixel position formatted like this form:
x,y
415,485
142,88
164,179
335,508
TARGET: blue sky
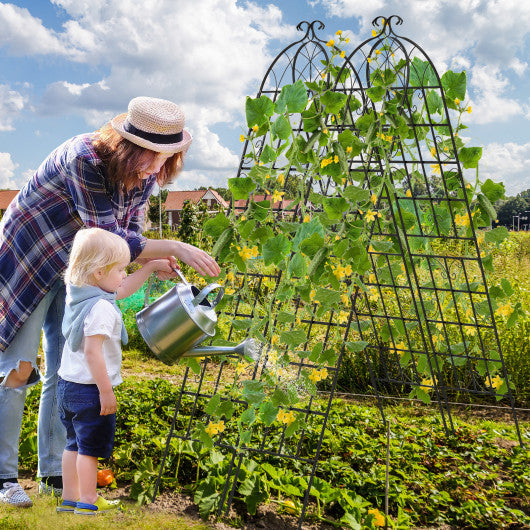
x,y
67,66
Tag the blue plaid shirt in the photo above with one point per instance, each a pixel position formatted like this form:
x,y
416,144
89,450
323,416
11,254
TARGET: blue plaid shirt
x,y
69,191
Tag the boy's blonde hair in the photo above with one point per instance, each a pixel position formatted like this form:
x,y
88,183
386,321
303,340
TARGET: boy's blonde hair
x,y
93,249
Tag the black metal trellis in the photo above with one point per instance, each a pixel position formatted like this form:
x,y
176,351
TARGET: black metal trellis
x,y
419,298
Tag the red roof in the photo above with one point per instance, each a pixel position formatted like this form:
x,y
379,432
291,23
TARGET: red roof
x,y
6,196
176,199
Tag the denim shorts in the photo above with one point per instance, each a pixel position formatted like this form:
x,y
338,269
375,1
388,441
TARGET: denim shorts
x,y
87,432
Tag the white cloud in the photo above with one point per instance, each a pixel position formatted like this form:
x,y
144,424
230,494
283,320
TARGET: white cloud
x,y
488,105
191,179
11,104
207,56
508,163
7,172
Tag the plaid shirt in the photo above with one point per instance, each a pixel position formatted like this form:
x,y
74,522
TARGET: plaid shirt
x,y
69,191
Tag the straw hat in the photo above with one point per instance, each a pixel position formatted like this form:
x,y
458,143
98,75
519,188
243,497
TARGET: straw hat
x,y
156,124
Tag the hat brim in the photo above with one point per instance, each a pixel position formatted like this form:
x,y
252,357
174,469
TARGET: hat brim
x,y
183,145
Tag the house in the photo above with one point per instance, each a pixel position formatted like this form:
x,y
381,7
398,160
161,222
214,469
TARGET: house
x,y
176,199
6,196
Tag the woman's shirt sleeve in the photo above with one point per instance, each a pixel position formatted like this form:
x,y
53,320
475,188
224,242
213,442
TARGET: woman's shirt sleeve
x,y
116,211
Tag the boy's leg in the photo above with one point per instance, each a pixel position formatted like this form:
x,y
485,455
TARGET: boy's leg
x,y
70,476
87,471
51,432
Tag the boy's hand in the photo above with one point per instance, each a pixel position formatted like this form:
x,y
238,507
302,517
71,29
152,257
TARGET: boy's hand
x,y
163,267
108,402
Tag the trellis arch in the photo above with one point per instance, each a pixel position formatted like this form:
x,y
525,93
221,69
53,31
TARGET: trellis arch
x,y
416,298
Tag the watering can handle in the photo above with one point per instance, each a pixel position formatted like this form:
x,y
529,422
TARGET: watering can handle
x,y
206,291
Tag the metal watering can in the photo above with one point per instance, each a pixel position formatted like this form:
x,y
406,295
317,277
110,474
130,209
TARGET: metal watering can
x,y
178,321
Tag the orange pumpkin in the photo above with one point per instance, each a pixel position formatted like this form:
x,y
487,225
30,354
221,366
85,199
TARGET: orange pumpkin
x,y
105,477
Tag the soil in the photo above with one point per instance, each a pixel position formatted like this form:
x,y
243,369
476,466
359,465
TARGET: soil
x,y
181,505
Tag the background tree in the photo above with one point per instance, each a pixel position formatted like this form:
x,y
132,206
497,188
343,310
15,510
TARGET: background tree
x,y
153,212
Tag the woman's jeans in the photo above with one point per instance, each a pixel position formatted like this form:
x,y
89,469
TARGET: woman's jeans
x,y
48,317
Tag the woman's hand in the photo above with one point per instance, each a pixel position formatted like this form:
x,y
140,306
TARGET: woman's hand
x,y
196,258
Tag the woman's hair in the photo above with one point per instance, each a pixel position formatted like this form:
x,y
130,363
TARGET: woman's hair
x,y
93,249
125,160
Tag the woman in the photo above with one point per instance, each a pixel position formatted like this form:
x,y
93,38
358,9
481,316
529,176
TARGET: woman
x,y
100,179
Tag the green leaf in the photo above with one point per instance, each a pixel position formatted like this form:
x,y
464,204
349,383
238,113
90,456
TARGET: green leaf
x,y
335,206
297,266
364,122
311,245
422,73
226,409
216,226
327,297
434,102
306,230
293,97
470,156
333,101
280,398
268,413
376,93
253,391
281,128
357,346
497,235
258,110
248,416
268,154
212,404
454,84
506,287
276,249
354,193
241,187
347,139
493,190
293,338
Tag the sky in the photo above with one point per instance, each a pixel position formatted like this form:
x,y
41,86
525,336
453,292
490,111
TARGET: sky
x,y
69,66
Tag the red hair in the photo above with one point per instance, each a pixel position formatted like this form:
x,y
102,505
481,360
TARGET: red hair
x,y
125,160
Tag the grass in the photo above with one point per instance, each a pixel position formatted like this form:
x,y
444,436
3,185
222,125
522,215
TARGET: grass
x,y
43,516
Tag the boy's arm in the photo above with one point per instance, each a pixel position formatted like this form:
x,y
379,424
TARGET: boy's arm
x,y
133,282
98,369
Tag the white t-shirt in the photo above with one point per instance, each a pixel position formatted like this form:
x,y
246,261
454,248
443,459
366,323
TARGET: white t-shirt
x,y
103,319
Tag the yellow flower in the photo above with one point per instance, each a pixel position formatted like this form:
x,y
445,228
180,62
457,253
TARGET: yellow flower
x,y
277,195
495,383
281,179
462,220
307,218
409,193
325,131
347,39
348,149
427,383
323,75
248,252
212,429
369,59
344,298
274,339
230,277
342,53
323,373
379,518
221,426
343,317
433,151
468,110
286,418
374,33
504,310
336,159
373,198
339,32
330,43
255,128
373,295
400,346
435,168
370,216
372,278
457,101
377,52
242,138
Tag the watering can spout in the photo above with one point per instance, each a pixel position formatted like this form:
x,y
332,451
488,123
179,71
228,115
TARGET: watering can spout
x,y
247,348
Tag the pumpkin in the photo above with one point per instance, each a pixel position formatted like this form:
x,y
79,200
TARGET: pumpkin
x,y
105,477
